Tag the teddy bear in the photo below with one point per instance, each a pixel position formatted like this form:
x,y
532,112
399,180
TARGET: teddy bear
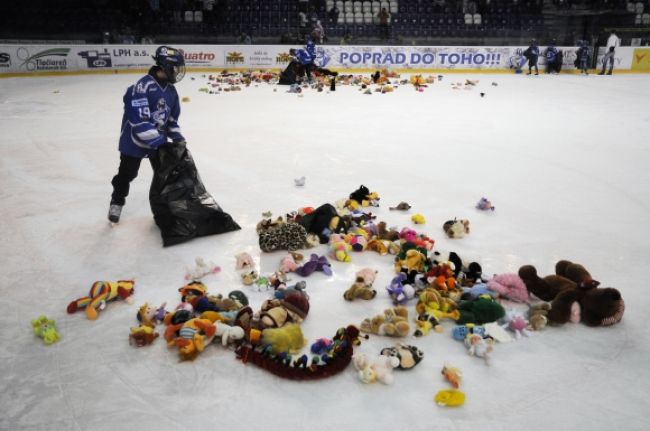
x,y
387,234
574,295
244,262
432,303
378,369
359,289
275,313
537,316
456,228
414,260
394,323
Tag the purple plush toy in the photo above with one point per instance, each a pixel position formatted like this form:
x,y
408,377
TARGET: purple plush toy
x,y
315,263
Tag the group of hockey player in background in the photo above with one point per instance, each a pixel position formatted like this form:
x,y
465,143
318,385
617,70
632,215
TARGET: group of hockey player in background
x,y
554,57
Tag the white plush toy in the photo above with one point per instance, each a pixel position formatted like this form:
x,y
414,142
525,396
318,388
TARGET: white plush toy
x,y
478,346
201,269
379,368
517,324
228,333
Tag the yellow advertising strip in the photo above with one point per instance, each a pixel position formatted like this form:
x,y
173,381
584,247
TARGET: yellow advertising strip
x,y
643,66
641,60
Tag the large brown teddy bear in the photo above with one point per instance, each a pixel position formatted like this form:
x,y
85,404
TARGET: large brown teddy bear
x,y
574,295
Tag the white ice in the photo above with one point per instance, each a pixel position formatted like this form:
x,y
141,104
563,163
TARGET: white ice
x,y
563,158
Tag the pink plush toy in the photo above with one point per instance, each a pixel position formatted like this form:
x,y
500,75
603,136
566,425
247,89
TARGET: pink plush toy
x,y
518,325
244,261
368,275
288,264
408,234
509,286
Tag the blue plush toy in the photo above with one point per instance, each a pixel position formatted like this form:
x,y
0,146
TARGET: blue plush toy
x,y
477,290
460,332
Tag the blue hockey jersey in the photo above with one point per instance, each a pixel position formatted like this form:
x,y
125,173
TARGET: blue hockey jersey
x,y
551,54
150,117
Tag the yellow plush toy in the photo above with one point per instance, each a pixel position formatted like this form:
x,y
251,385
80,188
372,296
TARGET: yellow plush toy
x,y
418,219
394,323
450,398
339,248
289,339
100,293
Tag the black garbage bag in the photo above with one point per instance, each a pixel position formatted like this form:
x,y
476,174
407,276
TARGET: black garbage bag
x,y
181,206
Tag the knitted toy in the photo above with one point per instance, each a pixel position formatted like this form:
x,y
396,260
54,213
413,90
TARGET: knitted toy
x,y
399,292
201,269
315,263
102,292
509,286
339,248
479,311
456,228
286,339
478,346
46,329
418,219
574,295
285,236
452,375
408,356
450,398
378,369
190,337
484,204
394,323
338,356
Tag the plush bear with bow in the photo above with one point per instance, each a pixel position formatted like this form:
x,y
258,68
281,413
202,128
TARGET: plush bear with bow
x,y
574,295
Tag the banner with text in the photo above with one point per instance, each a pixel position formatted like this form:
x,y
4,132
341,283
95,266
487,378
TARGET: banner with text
x,y
75,58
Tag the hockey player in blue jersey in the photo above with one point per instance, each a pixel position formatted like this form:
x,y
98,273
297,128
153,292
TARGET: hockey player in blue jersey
x,y
151,111
552,58
532,54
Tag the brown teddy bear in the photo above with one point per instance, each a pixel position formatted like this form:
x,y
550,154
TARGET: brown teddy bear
x,y
574,295
359,290
394,323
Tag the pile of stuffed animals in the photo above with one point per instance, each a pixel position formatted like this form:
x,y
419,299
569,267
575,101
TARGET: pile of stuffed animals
x,y
428,287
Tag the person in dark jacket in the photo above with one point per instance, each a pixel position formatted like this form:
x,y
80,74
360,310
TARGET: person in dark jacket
x,y
582,57
532,54
151,111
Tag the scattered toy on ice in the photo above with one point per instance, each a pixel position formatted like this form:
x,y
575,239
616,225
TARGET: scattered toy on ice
x,y
450,398
418,219
201,269
408,356
393,322
399,291
299,181
46,329
244,262
402,206
479,347
452,375
456,228
185,99
100,293
484,204
517,324
378,369
315,263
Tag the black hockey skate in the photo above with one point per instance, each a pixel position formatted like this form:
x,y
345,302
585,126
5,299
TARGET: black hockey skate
x,y
114,212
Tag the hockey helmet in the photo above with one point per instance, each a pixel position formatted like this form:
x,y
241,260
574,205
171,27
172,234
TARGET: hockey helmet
x,y
171,61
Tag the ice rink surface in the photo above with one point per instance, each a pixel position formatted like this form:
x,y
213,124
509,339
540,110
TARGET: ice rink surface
x,y
563,158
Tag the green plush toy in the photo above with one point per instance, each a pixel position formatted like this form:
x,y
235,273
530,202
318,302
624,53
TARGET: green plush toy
x,y
482,310
45,329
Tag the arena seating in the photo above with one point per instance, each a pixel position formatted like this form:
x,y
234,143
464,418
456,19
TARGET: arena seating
x,y
416,19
